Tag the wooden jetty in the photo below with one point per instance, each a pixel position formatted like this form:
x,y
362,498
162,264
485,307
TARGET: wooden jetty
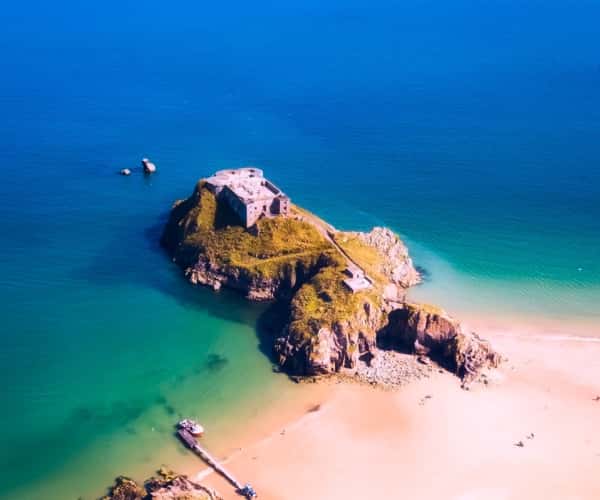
x,y
192,443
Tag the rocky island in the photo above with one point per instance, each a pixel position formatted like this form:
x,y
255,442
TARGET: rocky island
x,y
343,294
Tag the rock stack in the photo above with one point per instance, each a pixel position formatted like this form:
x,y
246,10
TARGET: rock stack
x,y
148,166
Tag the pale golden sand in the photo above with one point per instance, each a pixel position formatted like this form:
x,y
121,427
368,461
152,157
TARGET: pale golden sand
x,y
365,443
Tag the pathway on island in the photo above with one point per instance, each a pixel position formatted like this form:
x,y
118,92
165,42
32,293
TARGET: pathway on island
x,y
327,231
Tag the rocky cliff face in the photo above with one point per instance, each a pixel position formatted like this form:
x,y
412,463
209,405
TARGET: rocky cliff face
x,y
326,346
395,262
330,328
430,331
253,285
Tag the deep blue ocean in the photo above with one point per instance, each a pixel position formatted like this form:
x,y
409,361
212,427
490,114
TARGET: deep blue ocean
x,y
471,128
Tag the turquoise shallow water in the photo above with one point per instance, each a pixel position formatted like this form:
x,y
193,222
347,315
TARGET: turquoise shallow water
x,y
471,131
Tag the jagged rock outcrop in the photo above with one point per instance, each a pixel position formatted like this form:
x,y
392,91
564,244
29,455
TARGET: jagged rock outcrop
x,y
471,354
125,489
395,262
325,345
423,328
385,259
430,331
166,485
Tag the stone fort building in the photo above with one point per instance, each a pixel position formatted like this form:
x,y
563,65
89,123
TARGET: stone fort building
x,y
249,194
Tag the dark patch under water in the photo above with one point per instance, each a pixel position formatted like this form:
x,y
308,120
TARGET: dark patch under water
x,y
165,405
215,362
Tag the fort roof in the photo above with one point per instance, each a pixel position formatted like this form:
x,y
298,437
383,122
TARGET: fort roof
x,y
247,183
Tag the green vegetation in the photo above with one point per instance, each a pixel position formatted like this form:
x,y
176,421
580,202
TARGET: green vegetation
x,y
203,226
293,250
365,255
325,300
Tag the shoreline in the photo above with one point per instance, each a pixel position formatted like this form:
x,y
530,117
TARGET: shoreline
x,y
530,325
290,445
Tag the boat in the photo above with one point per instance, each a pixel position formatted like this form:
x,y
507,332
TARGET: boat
x,y
191,426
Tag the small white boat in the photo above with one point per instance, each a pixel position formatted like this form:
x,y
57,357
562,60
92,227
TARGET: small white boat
x,y
191,426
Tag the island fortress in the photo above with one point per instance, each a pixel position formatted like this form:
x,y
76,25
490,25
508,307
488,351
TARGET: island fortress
x,y
248,194
342,293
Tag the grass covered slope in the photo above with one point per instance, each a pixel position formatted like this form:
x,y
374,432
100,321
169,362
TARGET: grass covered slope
x,y
329,326
202,229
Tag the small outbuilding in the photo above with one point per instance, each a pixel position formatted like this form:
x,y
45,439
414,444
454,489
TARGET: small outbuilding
x,y
356,279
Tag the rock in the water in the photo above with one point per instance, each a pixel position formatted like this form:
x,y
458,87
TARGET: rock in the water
x,y
125,171
125,489
166,485
148,166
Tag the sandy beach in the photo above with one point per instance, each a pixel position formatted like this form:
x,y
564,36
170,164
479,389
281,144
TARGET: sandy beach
x,y
432,439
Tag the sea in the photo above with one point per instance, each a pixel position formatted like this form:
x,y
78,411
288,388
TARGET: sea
x,y
470,128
